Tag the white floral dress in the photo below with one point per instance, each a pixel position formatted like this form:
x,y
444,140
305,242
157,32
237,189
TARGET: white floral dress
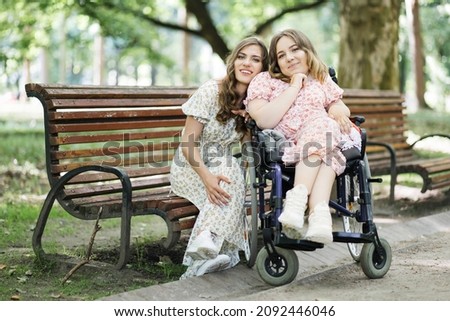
x,y
225,222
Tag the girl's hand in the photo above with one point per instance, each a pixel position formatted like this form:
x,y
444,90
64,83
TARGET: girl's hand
x,y
297,80
344,123
340,113
242,113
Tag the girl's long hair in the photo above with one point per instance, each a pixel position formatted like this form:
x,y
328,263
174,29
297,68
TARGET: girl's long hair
x,y
317,68
228,95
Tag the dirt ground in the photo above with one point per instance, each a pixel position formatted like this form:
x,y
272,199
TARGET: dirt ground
x,y
420,271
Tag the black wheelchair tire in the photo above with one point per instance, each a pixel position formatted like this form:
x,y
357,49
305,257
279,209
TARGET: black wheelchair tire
x,y
277,270
374,266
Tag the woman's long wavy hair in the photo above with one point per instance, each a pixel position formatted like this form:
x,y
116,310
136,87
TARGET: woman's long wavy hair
x,y
316,67
228,95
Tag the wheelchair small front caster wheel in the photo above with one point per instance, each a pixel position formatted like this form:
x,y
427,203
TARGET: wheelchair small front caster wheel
x,y
375,263
277,268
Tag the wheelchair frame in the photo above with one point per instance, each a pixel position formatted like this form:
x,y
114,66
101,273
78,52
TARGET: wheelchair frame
x,y
276,262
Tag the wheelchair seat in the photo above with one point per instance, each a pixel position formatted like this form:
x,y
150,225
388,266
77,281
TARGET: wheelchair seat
x,y
273,145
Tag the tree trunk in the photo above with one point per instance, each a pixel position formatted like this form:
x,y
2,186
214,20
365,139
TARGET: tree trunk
x,y
100,77
208,30
415,47
369,44
186,49
62,51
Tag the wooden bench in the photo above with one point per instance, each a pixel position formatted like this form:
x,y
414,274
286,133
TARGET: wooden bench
x,y
110,148
388,151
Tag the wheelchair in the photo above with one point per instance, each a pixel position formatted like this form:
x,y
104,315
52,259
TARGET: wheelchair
x,y
268,180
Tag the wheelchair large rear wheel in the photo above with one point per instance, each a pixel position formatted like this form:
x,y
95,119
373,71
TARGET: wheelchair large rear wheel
x,y
351,225
252,227
277,269
376,264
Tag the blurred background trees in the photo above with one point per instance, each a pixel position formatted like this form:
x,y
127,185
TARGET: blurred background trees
x,y
400,45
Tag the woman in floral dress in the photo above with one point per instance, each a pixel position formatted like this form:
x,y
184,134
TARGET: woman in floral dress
x,y
204,170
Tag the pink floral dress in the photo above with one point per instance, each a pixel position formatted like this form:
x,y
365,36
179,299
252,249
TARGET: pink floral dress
x,y
306,124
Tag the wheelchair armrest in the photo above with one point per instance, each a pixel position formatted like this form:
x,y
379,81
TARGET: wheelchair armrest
x,y
358,120
251,124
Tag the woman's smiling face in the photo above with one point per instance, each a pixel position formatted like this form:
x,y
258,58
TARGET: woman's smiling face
x,y
248,64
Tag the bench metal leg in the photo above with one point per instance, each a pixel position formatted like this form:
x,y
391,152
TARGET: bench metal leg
x,y
36,239
126,211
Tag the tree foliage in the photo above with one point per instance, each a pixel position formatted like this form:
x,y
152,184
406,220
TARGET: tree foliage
x,y
157,33
149,27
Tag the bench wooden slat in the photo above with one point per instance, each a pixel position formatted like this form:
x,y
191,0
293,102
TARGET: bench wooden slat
x,y
132,173
441,180
113,103
140,199
111,188
130,149
432,166
56,91
98,137
145,160
102,126
111,115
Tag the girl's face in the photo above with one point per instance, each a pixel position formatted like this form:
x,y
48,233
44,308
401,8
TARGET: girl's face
x,y
248,64
291,59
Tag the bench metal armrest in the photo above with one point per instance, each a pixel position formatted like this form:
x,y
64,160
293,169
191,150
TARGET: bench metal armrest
x,y
428,136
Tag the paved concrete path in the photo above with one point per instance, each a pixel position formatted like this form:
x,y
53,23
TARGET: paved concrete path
x,y
241,282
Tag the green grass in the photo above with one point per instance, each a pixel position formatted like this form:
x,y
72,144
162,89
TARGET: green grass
x,y
17,220
23,276
427,122
22,142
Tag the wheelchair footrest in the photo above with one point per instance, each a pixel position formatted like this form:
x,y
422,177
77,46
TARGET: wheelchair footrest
x,y
346,237
302,245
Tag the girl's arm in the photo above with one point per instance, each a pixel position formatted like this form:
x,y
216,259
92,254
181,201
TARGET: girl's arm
x,y
341,113
189,142
268,114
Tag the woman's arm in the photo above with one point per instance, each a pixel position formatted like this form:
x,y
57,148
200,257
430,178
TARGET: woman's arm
x,y
189,142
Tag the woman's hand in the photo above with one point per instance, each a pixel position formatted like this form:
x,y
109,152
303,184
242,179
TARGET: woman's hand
x,y
215,193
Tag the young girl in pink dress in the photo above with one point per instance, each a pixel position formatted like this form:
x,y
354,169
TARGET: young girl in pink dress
x,y
295,97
